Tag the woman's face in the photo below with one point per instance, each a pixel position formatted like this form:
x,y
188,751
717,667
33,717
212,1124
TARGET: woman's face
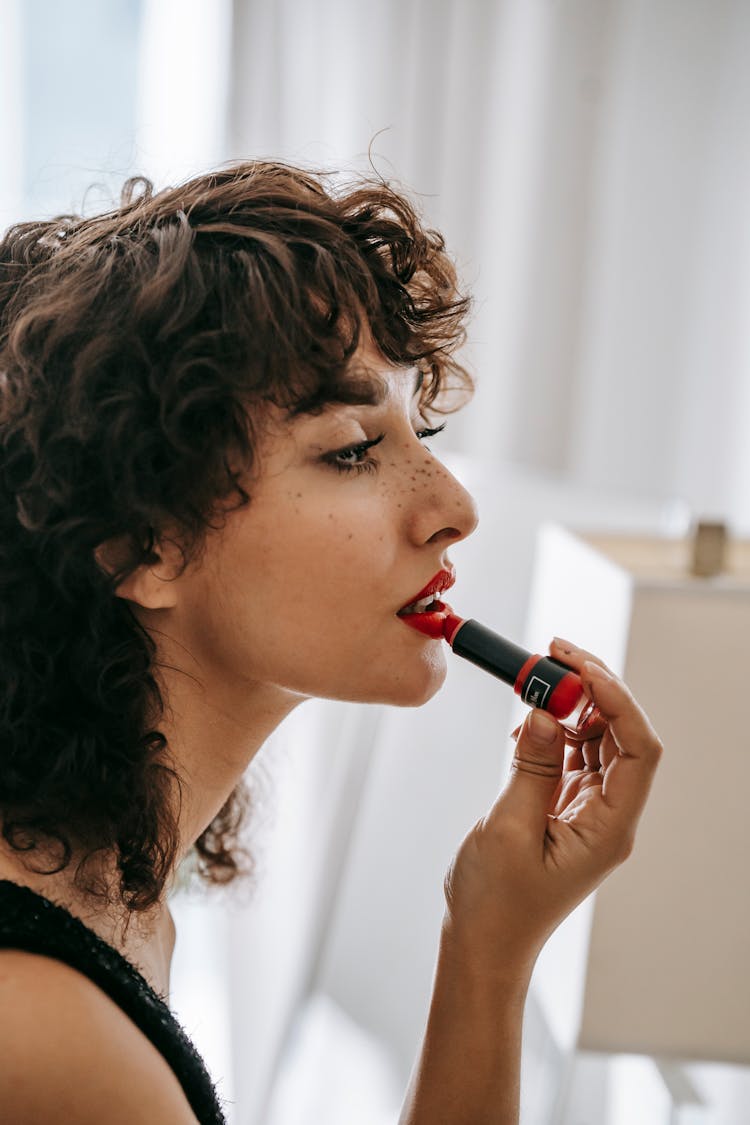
x,y
350,516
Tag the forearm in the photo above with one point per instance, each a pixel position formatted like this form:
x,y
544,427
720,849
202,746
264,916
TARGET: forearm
x,y
468,1070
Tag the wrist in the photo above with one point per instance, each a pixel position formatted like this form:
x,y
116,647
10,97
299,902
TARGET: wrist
x,y
468,1071
500,974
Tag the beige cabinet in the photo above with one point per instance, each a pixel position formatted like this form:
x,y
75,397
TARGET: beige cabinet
x,y
657,962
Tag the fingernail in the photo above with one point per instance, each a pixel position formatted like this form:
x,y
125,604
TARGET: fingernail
x,y
566,646
542,727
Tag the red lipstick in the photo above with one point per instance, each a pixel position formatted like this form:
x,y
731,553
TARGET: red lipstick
x,y
429,617
541,681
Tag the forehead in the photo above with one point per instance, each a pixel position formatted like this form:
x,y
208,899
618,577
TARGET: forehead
x,y
371,385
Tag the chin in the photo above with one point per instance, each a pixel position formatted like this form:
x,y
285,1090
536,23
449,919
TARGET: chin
x,y
416,688
417,700
394,681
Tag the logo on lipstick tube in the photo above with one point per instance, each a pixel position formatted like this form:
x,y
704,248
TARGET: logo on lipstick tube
x,y
535,692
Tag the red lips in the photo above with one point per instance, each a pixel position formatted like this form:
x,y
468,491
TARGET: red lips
x,y
431,624
442,581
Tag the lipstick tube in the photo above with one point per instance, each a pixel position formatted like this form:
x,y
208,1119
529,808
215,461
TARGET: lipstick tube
x,y
540,681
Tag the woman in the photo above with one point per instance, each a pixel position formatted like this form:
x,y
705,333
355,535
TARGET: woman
x,y
215,501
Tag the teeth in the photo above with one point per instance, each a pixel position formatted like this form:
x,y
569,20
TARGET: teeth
x,y
420,606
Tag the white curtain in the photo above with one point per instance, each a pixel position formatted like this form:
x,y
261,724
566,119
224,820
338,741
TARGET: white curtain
x,y
589,162
183,86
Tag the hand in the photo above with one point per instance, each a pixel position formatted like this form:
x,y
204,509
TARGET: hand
x,y
565,818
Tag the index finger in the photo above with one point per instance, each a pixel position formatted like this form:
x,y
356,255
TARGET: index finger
x,y
627,778
572,655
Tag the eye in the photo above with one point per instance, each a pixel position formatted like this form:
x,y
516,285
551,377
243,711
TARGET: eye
x,y
352,458
427,432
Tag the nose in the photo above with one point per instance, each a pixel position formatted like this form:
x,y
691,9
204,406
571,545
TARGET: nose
x,y
442,510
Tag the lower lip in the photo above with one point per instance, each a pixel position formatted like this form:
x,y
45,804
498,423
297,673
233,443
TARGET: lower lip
x,y
430,624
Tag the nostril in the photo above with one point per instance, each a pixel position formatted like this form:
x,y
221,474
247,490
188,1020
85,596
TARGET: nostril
x,y
449,533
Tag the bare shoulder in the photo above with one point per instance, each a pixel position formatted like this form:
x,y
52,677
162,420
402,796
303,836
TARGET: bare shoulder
x,y
70,1054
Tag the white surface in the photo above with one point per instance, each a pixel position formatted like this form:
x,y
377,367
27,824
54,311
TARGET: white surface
x,y
334,1073
200,986
309,778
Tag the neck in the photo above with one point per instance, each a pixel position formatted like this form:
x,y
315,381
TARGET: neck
x,y
212,739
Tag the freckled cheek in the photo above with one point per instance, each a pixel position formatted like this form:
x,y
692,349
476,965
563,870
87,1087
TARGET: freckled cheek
x,y
399,483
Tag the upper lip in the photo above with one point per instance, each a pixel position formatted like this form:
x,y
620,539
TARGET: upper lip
x,y
442,581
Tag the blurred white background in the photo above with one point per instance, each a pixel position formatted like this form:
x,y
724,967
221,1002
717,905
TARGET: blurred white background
x,y
589,164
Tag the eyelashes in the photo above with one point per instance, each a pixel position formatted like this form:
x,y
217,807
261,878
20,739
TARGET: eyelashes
x,y
427,432
353,458
350,459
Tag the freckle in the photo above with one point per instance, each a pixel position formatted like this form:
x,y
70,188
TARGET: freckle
x,y
350,535
299,495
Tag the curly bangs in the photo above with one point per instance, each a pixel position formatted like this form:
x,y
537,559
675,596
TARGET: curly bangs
x,y
137,351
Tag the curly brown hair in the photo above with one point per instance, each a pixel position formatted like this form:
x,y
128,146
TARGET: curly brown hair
x,y
136,350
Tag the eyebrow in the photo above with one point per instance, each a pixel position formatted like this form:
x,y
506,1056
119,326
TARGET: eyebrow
x,y
356,390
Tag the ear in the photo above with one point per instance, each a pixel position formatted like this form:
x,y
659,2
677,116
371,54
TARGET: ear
x,y
153,584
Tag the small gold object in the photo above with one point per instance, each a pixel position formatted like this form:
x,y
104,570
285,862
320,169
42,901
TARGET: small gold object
x,y
709,548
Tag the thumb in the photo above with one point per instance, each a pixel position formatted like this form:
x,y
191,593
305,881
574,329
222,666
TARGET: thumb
x,y
536,768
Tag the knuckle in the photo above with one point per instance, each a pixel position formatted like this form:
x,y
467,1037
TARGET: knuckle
x,y
528,762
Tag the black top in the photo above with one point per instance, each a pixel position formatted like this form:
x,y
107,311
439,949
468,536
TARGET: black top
x,y
33,923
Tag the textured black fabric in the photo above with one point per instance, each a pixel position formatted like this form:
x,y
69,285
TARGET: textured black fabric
x,y
33,923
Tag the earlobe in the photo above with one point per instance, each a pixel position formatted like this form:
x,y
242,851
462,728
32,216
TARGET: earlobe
x,y
152,584
148,589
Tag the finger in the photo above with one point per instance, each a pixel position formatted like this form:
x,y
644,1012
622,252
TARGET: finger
x,y
593,730
568,653
638,749
574,657
607,751
590,755
536,770
574,757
